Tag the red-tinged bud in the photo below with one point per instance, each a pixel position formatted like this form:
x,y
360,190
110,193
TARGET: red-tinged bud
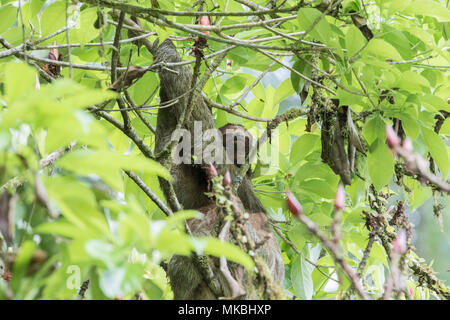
x,y
448,101
204,21
339,200
407,145
7,276
227,178
399,242
411,291
293,205
51,56
54,53
392,138
229,63
212,170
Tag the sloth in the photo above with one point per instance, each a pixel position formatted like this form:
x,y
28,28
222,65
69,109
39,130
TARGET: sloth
x,y
189,284
191,183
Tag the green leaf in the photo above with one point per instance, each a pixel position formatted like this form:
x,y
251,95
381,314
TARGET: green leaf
x,y
302,147
373,128
319,188
134,229
60,227
354,41
298,82
36,6
413,82
255,107
77,203
21,264
380,162
270,108
76,96
20,79
321,31
301,276
182,216
215,247
239,55
298,235
53,18
101,250
108,165
419,194
378,253
297,127
8,15
434,103
437,149
428,8
86,30
119,281
143,87
445,129
284,90
233,85
383,49
410,125
316,170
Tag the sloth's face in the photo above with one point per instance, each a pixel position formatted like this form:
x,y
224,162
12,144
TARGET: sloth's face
x,y
237,142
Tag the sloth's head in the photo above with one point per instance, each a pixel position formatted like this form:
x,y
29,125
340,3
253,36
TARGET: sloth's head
x,y
237,142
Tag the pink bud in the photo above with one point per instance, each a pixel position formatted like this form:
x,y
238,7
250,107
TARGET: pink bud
x,y
204,21
293,205
52,56
7,276
407,145
392,139
229,62
339,200
399,242
212,170
226,178
411,291
37,84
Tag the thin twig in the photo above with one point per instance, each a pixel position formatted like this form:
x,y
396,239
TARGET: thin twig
x,y
83,289
52,157
236,289
115,56
157,12
292,245
149,193
336,251
69,55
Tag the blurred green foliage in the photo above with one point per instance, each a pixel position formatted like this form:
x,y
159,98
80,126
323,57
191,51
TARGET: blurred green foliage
x,y
107,230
